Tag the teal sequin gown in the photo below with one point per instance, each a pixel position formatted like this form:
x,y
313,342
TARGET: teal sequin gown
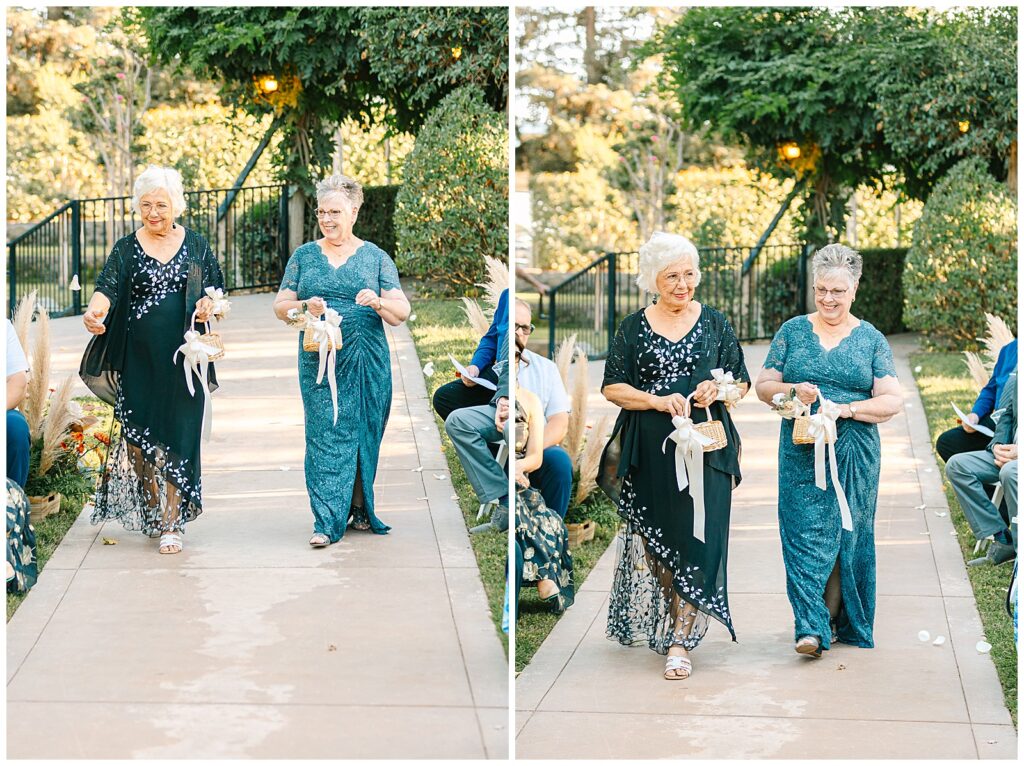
x,y
809,521
334,453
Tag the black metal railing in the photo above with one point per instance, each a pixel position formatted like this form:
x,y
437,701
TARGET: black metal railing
x,y
247,227
756,289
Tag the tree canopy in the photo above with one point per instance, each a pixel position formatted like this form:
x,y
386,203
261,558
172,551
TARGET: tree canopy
x,y
330,64
861,91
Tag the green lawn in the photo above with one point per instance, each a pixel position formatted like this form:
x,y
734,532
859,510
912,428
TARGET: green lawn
x,y
440,328
943,377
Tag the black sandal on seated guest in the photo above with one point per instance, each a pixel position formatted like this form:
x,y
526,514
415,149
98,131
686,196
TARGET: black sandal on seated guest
x,y
360,519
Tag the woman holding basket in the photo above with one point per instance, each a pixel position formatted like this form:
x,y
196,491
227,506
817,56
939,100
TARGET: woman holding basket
x,y
150,292
662,370
843,368
341,279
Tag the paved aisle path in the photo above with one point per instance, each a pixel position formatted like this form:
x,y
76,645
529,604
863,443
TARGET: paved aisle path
x,y
584,696
249,643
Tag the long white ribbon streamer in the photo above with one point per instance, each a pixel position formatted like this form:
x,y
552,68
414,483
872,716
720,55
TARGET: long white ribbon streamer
x,y
823,429
690,445
327,333
197,362
728,390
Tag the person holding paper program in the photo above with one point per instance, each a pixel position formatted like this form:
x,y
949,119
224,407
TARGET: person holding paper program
x,y
964,438
492,348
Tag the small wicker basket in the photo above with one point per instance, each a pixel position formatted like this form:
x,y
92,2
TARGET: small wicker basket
x,y
712,429
802,427
310,343
212,338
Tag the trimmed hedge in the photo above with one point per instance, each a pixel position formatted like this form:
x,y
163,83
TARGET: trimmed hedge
x,y
376,220
963,260
452,209
880,294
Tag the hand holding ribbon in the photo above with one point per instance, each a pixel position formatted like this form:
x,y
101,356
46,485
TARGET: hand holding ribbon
x,y
728,390
327,333
689,456
823,429
221,305
197,362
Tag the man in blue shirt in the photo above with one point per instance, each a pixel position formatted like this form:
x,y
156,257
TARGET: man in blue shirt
x,y
493,347
964,438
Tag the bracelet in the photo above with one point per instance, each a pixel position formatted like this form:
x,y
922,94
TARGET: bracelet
x,y
379,303
304,307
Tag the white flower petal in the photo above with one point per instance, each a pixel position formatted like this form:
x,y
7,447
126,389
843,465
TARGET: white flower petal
x,y
924,635
418,470
917,369
983,647
428,369
939,641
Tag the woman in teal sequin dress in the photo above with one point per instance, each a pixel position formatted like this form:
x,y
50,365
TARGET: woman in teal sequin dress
x,y
359,281
830,572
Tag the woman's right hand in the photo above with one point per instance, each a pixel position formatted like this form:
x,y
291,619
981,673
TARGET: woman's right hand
x,y
93,321
316,306
673,404
806,392
522,480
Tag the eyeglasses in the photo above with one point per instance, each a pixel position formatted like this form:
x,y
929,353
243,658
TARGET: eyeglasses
x,y
163,207
821,292
674,279
329,214
525,329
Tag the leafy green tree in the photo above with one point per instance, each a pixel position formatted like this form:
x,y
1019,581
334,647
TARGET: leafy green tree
x,y
330,64
452,209
837,84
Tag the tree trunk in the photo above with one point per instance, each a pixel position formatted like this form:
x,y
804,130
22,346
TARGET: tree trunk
x,y
588,19
296,219
1011,176
339,151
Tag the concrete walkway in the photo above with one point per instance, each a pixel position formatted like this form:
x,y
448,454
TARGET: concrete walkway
x,y
584,696
250,644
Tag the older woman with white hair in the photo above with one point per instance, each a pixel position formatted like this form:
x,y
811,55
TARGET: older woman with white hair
x,y
670,578
829,549
358,282
151,285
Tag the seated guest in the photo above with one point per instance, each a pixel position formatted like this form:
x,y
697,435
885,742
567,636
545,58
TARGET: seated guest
x,y
22,569
542,541
540,375
964,438
968,472
492,348
17,427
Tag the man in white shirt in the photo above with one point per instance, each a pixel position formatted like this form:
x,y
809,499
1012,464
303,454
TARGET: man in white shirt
x,y
17,427
540,375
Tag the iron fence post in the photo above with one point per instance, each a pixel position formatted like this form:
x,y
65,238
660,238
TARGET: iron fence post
x,y
12,278
76,254
802,276
551,322
612,290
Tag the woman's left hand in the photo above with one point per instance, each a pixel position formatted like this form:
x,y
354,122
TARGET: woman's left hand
x,y
204,309
369,298
521,480
705,393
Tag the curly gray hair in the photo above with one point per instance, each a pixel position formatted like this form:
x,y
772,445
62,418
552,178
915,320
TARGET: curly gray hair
x,y
660,252
347,187
155,178
833,259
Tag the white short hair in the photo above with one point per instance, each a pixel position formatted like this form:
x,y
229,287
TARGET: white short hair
x,y
344,186
155,178
658,253
833,259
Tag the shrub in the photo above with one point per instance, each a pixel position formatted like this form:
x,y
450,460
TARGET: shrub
x,y
258,235
880,294
963,259
780,284
376,221
452,208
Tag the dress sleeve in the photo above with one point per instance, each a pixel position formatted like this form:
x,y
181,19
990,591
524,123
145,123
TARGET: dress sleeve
x,y
615,364
730,358
388,276
883,365
212,274
290,280
776,358
109,277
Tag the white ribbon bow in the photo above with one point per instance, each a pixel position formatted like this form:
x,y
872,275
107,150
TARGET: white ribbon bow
x,y
690,445
197,362
221,305
823,430
327,333
728,390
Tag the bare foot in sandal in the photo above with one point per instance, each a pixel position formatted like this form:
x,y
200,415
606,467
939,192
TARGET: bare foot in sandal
x,y
677,664
171,542
319,540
